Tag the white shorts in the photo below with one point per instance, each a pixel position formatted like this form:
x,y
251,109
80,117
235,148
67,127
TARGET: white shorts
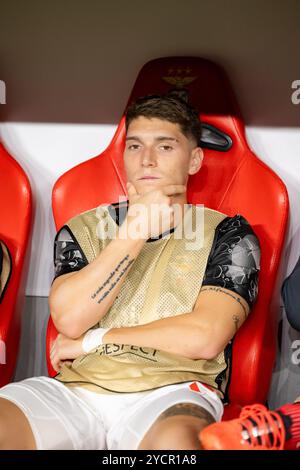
x,y
76,418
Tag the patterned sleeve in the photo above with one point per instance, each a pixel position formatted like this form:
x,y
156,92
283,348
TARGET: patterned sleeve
x,y
68,256
234,260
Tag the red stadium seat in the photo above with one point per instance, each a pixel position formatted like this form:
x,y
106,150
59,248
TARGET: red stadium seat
x,y
232,180
15,224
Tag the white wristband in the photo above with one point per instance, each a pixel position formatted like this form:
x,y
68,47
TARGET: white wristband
x,y
93,338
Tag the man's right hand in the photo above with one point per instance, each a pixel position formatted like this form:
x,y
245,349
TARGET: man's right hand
x,y
151,213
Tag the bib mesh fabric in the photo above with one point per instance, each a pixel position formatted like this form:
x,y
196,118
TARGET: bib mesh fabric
x,y
164,281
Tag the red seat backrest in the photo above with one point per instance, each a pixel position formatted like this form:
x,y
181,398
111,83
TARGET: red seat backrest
x,y
15,225
233,181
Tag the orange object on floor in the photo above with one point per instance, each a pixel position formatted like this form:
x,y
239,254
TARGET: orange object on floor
x,y
257,428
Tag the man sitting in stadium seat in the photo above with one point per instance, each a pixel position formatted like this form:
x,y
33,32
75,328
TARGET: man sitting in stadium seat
x,y
147,296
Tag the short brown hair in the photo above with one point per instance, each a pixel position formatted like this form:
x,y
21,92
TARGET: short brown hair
x,y
169,108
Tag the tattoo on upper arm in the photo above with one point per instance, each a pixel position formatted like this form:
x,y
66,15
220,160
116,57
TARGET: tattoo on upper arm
x,y
187,409
231,294
107,282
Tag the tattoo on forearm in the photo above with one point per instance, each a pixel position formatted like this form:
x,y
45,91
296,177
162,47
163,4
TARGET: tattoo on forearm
x,y
115,282
187,409
112,274
219,289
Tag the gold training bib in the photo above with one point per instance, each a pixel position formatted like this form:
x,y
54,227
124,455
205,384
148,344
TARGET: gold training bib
x,y
164,281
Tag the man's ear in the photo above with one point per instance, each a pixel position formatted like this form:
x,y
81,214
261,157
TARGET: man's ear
x,y
196,160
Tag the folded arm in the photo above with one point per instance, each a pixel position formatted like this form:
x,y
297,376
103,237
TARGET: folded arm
x,y
200,334
78,300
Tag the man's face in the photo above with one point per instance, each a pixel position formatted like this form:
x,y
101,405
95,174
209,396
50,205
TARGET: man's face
x,y
157,154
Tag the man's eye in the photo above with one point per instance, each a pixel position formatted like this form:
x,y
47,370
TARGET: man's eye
x,y
166,147
133,147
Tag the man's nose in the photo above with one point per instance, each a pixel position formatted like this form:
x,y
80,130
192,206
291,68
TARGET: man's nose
x,y
148,158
